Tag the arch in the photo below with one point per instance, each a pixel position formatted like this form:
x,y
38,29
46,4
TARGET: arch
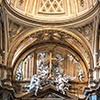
x,y
54,48
28,36
73,41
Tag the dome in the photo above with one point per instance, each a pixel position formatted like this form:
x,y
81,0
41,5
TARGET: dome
x,y
52,9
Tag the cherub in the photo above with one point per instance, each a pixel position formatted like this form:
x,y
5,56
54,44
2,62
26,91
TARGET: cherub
x,y
35,83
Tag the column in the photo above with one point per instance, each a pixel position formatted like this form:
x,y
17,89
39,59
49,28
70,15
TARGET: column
x,y
30,67
35,65
68,65
32,60
0,39
22,69
95,44
27,68
25,71
68,4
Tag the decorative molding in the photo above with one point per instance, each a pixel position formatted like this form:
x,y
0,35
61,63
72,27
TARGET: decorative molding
x,y
65,20
48,35
87,31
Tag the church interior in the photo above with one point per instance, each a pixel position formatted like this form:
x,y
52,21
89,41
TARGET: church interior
x,y
49,49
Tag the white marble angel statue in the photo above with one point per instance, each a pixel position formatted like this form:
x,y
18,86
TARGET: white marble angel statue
x,y
35,84
62,82
59,59
38,79
43,69
44,72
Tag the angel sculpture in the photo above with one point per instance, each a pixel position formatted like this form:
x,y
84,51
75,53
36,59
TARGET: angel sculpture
x,y
39,79
67,79
59,59
35,83
62,82
45,75
45,72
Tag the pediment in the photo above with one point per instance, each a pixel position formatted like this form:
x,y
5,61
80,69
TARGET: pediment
x,y
48,92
